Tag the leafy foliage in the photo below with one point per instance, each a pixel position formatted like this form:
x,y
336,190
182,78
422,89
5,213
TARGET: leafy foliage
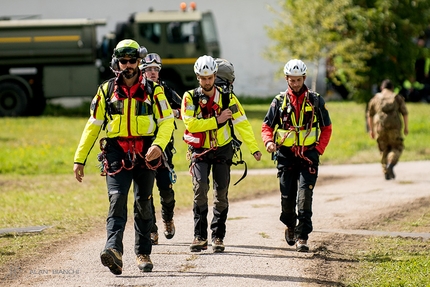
x,y
363,42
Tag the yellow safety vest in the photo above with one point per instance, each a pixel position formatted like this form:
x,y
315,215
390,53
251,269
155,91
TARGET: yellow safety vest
x,y
301,133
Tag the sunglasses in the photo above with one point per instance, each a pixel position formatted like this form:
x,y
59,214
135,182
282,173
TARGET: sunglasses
x,y
125,61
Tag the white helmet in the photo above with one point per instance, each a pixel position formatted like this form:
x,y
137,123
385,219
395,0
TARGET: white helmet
x,y
151,60
295,68
205,66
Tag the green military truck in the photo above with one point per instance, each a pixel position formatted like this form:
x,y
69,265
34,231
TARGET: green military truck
x,y
43,59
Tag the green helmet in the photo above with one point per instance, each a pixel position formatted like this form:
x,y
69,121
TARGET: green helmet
x,y
129,48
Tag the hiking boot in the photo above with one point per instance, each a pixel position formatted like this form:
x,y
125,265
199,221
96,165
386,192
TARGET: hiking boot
x,y
169,229
112,259
302,245
218,245
144,262
199,244
390,173
289,236
154,238
387,176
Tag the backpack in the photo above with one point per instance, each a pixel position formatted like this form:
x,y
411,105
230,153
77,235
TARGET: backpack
x,y
388,115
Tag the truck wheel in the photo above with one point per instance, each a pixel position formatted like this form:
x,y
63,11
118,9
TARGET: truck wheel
x,y
13,100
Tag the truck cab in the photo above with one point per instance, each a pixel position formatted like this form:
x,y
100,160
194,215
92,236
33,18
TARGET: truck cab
x,y
43,59
179,37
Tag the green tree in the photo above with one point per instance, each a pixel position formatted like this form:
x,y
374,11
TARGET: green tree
x,y
363,41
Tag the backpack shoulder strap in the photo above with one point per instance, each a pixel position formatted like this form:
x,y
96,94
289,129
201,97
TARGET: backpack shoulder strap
x,y
315,97
172,96
195,98
149,88
225,99
106,96
315,100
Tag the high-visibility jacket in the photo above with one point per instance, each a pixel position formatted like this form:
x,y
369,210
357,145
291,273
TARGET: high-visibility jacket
x,y
202,119
133,113
299,127
297,122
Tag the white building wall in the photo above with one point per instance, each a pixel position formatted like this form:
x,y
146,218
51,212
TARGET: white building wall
x,y
240,26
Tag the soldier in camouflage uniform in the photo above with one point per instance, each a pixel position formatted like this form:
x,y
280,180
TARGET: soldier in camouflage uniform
x,y
383,119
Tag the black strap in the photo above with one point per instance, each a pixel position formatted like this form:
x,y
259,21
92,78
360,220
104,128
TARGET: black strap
x,y
107,100
316,103
225,98
236,148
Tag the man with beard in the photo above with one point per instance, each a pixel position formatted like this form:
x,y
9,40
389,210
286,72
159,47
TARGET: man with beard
x,y
297,128
131,109
210,116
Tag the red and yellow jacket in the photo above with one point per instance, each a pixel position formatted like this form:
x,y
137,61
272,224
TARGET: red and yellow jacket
x,y
133,113
293,120
202,118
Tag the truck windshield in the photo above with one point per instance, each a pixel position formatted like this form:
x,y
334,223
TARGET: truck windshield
x,y
182,32
209,29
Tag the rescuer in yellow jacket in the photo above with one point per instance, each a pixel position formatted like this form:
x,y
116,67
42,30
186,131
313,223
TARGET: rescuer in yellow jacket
x,y
209,115
131,109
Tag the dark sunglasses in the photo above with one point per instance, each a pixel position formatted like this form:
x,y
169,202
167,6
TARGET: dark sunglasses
x,y
125,61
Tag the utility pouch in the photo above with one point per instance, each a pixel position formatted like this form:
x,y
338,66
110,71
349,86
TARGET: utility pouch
x,y
195,140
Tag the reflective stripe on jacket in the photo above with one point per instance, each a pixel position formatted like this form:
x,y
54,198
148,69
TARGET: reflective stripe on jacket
x,y
299,128
274,118
196,120
133,114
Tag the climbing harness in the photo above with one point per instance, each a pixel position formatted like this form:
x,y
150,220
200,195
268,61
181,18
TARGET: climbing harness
x,y
133,148
297,128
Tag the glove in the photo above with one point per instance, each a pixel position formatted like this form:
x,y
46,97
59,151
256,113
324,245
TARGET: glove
x,y
153,152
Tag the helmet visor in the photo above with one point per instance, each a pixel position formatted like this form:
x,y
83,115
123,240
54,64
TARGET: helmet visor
x,y
151,58
124,52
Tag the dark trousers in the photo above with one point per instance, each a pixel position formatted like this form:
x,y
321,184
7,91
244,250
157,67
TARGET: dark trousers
x,y
118,186
165,187
219,161
297,179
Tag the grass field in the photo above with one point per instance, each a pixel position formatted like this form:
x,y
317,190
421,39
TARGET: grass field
x,y
37,186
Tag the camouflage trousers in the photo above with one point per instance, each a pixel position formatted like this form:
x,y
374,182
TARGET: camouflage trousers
x,y
390,144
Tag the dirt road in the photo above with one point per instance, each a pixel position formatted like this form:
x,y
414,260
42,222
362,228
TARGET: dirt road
x,y
256,254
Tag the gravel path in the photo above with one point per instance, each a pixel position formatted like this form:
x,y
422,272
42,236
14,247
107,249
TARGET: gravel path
x,y
256,252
